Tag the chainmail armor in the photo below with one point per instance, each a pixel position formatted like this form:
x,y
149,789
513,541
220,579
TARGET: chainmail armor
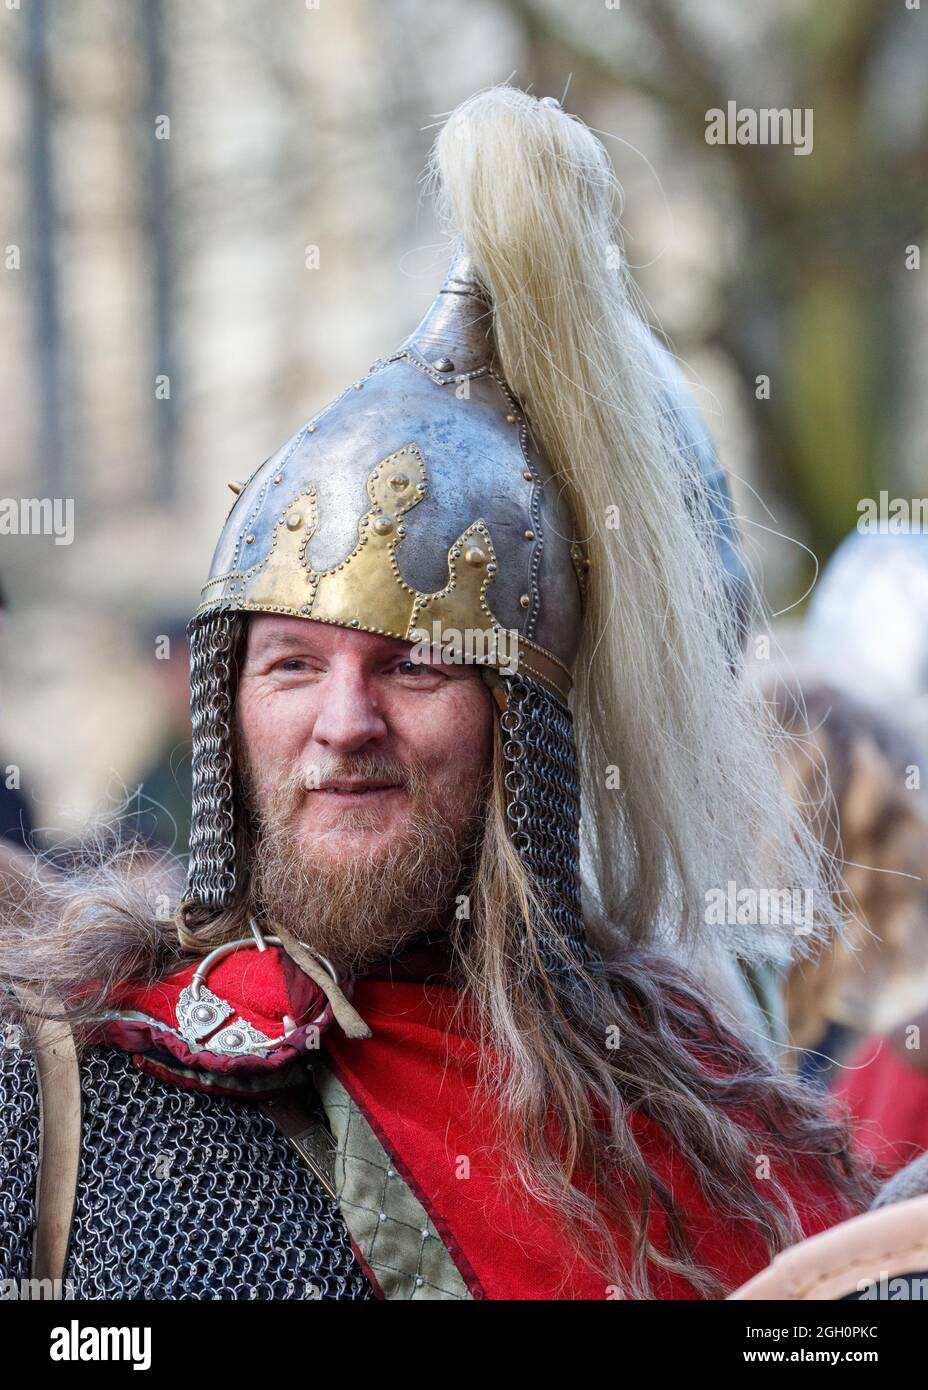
x,y
180,1194
19,1147
544,814
211,874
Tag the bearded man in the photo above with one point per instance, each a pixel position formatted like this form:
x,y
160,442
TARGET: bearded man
x,y
394,1043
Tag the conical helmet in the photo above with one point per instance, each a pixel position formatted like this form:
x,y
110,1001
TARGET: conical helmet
x,y
415,499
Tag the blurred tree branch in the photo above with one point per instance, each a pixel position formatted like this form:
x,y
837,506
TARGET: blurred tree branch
x,y
819,303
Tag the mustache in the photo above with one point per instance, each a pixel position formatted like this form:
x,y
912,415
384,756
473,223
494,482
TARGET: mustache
x,y
361,766
292,784
363,908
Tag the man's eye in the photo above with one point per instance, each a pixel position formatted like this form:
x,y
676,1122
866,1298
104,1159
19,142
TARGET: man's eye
x,y
413,668
292,663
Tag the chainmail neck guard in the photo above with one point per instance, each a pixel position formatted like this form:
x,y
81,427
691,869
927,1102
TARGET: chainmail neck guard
x,y
544,816
211,874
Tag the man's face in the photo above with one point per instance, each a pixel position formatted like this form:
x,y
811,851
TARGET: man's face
x,y
365,771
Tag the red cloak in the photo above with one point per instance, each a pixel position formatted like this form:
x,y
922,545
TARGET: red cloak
x,y
414,1081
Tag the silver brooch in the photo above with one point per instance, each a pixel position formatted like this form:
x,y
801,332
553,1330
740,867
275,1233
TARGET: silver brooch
x,y
200,1011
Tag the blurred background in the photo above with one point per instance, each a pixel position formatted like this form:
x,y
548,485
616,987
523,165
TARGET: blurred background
x,y
164,168
212,221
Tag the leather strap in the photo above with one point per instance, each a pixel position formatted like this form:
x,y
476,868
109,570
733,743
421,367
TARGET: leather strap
x,y
297,1115
59,1138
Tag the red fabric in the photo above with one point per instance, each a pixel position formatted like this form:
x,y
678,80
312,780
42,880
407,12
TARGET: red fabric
x,y
262,987
888,1102
414,1080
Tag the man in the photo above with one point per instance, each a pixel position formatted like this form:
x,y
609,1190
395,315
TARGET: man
x,y
429,635
874,827
874,990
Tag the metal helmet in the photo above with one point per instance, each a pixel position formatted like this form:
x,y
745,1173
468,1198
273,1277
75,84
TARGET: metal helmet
x,y
417,504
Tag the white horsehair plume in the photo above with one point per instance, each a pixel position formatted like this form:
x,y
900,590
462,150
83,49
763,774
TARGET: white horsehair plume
x,y
532,194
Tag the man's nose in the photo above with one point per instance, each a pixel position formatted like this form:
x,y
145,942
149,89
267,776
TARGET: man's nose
x,y
348,717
